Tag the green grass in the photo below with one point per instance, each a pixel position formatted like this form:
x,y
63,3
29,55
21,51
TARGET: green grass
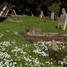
x,y
7,28
44,24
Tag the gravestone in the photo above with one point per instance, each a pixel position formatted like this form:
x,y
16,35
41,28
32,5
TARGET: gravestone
x,y
33,31
41,14
13,19
52,16
63,20
54,46
3,10
63,11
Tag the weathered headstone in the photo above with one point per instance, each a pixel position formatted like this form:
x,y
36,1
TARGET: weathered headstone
x,y
41,14
65,22
33,31
2,10
13,19
63,18
14,12
54,46
52,16
63,11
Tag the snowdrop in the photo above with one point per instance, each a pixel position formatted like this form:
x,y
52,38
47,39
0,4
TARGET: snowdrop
x,y
1,35
26,45
65,60
63,47
60,62
47,62
13,42
1,64
44,54
42,64
4,55
22,52
27,59
6,62
5,43
14,63
13,66
38,51
18,50
21,65
3,49
7,31
9,63
36,62
16,33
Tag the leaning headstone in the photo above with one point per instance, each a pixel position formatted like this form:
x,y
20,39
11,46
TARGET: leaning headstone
x,y
54,46
65,22
2,10
63,18
14,12
41,14
52,16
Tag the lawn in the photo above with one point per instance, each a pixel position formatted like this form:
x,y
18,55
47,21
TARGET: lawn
x,y
16,52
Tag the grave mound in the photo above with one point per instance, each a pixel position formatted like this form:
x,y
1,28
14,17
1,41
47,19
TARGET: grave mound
x,y
34,34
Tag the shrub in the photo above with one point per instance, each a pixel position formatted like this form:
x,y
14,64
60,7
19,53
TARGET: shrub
x,y
55,8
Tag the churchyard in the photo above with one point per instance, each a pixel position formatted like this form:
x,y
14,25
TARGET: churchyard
x,y
17,52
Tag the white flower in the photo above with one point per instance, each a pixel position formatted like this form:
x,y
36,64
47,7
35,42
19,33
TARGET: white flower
x,y
7,56
4,55
16,33
47,62
61,63
63,47
3,49
5,43
36,62
27,59
11,64
44,54
13,42
1,35
51,62
7,31
14,63
38,51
